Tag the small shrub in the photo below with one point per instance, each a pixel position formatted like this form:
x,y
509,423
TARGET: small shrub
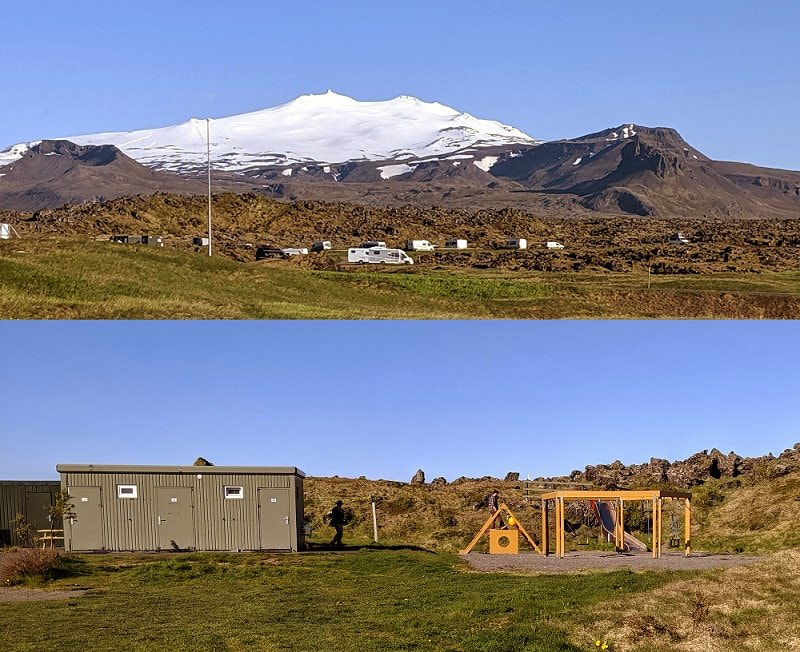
x,y
25,531
29,563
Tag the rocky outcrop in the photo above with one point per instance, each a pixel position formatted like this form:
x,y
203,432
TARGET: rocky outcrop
x,y
695,470
419,477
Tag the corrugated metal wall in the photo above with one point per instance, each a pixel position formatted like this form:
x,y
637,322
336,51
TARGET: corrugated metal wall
x,y
219,523
12,502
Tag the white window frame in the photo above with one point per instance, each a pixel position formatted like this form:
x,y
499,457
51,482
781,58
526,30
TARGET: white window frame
x,y
234,496
134,494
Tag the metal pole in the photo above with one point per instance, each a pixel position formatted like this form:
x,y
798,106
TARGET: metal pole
x,y
208,157
374,522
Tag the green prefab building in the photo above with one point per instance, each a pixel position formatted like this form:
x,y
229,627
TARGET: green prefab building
x,y
183,507
31,498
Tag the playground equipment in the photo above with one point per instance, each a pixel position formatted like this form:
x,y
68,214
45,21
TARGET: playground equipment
x,y
611,511
502,541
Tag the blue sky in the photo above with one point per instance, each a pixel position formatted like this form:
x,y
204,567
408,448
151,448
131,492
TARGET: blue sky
x,y
383,399
724,73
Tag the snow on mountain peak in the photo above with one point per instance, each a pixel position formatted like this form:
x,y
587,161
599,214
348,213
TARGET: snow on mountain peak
x,y
321,128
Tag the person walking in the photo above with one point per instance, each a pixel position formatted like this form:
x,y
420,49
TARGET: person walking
x,y
337,522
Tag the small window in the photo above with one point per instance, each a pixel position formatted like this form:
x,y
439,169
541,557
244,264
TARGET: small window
x,y
127,491
234,492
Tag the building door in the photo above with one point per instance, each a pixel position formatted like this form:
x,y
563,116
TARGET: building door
x,y
36,504
86,528
274,519
175,518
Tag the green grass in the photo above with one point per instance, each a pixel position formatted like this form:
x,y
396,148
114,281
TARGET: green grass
x,y
72,278
360,601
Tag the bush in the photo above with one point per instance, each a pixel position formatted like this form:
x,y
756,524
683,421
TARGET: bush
x,y
28,563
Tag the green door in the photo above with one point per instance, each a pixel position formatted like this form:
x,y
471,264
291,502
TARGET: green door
x,y
36,504
274,519
86,528
175,518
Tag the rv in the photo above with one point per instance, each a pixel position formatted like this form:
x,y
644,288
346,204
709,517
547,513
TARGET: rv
x,y
372,243
455,243
516,243
378,255
552,244
419,245
321,245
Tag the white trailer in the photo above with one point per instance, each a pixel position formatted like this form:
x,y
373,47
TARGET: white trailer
x,y
295,251
455,243
419,245
516,243
378,255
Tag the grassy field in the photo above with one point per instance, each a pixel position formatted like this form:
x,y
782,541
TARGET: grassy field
x,y
80,279
360,601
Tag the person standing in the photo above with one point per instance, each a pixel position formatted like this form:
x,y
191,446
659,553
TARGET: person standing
x,y
337,522
494,506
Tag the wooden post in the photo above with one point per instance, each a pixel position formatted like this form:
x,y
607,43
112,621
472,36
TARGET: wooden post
x,y
561,534
653,538
687,526
374,522
621,523
660,523
545,525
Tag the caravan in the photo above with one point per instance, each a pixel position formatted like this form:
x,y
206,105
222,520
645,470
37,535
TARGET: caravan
x,y
378,255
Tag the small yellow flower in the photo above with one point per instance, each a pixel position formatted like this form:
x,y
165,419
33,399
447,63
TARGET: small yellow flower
x,y
598,643
604,646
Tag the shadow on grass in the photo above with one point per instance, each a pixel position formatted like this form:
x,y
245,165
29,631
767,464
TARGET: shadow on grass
x,y
324,547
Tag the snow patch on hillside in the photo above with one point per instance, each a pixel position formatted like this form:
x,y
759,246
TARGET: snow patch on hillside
x,y
326,128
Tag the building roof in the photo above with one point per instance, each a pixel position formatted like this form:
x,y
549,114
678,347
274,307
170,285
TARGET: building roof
x,y
188,469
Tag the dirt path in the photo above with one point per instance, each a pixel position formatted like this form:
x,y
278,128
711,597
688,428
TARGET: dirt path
x,y
15,594
590,560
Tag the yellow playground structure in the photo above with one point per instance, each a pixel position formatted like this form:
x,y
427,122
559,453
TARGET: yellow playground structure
x,y
608,505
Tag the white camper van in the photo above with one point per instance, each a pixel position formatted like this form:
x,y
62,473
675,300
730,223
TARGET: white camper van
x,y
516,243
455,243
552,244
378,255
419,245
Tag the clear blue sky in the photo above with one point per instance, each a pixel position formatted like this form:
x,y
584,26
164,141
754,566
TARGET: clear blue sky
x,y
723,72
383,399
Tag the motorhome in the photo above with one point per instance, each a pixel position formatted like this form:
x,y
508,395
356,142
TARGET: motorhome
x,y
516,243
455,243
378,255
552,244
321,245
419,245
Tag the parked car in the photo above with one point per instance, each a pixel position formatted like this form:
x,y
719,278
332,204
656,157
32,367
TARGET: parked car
x,y
371,243
321,245
455,243
270,251
516,243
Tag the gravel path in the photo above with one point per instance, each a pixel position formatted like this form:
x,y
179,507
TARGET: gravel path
x,y
15,594
595,560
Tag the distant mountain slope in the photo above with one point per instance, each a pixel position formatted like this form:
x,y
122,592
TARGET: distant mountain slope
x,y
326,128
651,171
57,172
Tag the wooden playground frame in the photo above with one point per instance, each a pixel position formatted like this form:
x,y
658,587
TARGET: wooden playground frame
x,y
655,497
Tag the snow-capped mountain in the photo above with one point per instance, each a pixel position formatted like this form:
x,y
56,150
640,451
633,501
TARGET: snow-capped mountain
x,y
326,128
